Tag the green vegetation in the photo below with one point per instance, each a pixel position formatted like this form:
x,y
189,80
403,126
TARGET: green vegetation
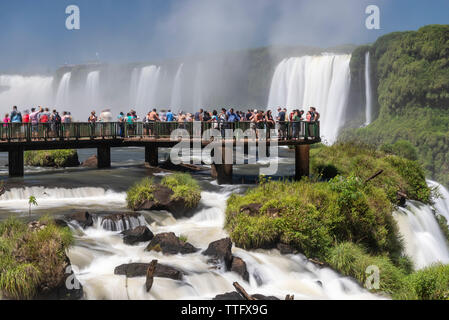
x,y
140,192
410,75
52,158
32,202
442,221
344,221
183,186
31,259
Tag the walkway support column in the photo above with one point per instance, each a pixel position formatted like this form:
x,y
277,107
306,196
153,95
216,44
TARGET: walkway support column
x,y
151,155
104,156
15,162
302,167
223,172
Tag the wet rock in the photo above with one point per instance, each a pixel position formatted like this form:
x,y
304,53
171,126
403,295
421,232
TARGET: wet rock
x,y
262,297
285,248
162,200
230,296
91,162
221,250
239,266
251,209
84,219
120,221
136,235
133,270
169,243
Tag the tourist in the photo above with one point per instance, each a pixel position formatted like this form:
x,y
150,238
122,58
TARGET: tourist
x,y
16,116
66,121
232,118
169,116
269,120
214,119
92,120
146,124
282,128
34,118
296,124
44,119
130,119
26,116
55,123
199,115
6,120
222,119
105,116
121,124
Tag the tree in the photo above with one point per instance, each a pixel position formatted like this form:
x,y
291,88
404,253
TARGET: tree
x,y
32,202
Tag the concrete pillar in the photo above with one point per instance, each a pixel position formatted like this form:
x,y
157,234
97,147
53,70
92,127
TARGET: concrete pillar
x,y
222,172
302,155
104,156
15,162
151,155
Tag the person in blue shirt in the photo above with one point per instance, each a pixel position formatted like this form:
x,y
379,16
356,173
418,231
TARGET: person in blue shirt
x,y
170,117
232,116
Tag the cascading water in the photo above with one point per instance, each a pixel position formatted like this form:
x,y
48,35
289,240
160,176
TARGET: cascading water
x,y
63,93
442,203
147,89
424,240
98,252
314,81
198,91
93,89
368,92
25,92
176,96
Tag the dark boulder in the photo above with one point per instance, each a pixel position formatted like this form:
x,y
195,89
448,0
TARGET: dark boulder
x,y
239,266
229,296
133,270
169,243
84,219
91,162
262,297
136,235
162,200
221,250
251,209
285,248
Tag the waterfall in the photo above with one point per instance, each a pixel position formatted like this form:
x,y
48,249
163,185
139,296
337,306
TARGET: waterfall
x,y
176,96
442,203
368,92
198,91
314,81
147,89
424,240
25,92
62,95
93,89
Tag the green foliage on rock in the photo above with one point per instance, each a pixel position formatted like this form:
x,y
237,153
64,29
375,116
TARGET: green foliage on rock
x,y
31,260
185,187
51,158
140,192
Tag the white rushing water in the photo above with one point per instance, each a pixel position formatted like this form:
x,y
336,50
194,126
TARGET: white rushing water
x,y
322,82
16,199
198,90
146,97
176,96
98,252
442,203
424,240
25,92
93,89
63,93
368,91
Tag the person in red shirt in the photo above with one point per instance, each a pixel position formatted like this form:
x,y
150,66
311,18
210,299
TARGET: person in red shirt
x,y
26,117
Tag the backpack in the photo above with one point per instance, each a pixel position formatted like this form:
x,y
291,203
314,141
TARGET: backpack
x,y
16,118
57,118
44,118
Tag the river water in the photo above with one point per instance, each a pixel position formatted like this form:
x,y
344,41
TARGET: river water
x,y
97,251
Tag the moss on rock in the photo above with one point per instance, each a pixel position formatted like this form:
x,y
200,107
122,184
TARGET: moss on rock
x,y
52,158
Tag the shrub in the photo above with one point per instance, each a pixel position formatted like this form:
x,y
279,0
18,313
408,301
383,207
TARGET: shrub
x,y
401,148
51,158
184,186
140,192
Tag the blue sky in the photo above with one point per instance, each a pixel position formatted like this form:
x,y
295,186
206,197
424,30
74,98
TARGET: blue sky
x,y
33,36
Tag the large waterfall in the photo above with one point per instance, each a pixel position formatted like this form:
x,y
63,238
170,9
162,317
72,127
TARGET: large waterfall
x,y
368,92
198,91
25,92
146,97
176,96
63,93
93,89
314,81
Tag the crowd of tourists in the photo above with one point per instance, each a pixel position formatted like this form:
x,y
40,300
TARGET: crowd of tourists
x,y
286,123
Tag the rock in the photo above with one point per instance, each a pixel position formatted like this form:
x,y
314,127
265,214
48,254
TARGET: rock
x,y
221,250
133,270
162,200
231,296
251,209
84,219
239,266
91,162
262,297
136,235
401,199
120,221
285,248
150,275
169,243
